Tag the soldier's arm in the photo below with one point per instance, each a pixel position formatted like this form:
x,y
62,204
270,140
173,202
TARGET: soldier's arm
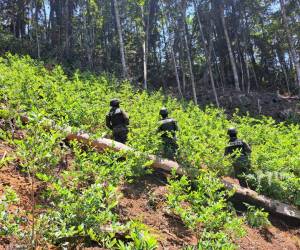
x,y
247,148
126,117
108,122
226,151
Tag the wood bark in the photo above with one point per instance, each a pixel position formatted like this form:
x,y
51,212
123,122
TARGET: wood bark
x,y
146,42
175,70
121,42
36,18
231,56
294,54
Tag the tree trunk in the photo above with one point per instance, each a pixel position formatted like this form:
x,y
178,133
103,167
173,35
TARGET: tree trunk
x,y
184,30
175,70
67,28
231,56
46,24
146,42
37,29
294,53
182,65
171,28
247,72
207,52
121,43
283,67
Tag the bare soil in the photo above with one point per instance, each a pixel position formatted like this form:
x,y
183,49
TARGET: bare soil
x,y
280,106
144,200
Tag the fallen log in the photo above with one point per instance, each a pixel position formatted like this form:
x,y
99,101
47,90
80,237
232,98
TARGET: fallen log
x,y
103,144
270,205
295,97
242,194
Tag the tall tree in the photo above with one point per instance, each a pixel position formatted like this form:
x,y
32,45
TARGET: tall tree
x,y
294,54
121,42
231,56
207,50
184,31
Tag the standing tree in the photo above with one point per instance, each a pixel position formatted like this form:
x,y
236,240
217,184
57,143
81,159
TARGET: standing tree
x,y
121,42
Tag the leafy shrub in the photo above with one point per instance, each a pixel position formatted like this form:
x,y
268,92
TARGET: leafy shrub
x,y
256,217
140,237
81,102
205,206
9,220
79,214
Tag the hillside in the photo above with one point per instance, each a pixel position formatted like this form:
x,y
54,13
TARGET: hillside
x,y
112,200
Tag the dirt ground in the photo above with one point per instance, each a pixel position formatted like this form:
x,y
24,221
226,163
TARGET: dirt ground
x,y
281,106
144,200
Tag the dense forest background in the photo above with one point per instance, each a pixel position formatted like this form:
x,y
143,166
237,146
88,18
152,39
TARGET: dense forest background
x,y
190,46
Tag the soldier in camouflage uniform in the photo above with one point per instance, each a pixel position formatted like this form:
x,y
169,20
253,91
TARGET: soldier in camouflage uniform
x,y
117,120
241,162
167,128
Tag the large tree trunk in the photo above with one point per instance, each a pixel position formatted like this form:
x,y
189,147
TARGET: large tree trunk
x,y
294,54
231,56
121,42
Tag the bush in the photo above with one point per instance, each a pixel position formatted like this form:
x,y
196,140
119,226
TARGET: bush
x,y
256,217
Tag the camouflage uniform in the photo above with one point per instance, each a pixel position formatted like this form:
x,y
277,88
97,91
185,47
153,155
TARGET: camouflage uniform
x,y
117,120
241,163
167,128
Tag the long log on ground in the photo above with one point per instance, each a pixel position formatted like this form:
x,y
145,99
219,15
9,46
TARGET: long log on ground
x,y
242,194
103,144
270,205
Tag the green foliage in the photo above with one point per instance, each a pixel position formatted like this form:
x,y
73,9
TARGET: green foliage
x,y
256,217
39,151
212,240
275,158
79,213
84,197
9,219
205,206
140,237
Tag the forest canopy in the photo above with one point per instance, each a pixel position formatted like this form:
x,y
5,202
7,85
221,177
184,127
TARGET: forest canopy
x,y
184,44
